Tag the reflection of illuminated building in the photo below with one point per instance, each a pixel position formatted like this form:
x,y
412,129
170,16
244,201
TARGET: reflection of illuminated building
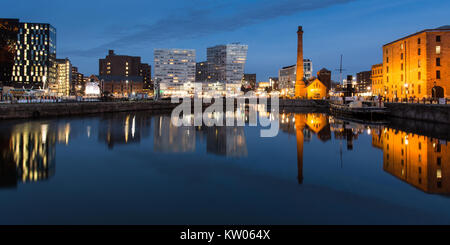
x,y
418,160
170,138
123,128
305,123
27,154
228,141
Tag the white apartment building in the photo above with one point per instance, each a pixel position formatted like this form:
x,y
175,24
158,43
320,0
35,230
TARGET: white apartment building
x,y
175,69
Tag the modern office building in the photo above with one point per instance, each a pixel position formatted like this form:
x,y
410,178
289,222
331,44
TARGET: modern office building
x,y
27,54
63,77
308,68
226,64
418,65
78,85
363,82
377,80
287,76
201,72
126,66
176,70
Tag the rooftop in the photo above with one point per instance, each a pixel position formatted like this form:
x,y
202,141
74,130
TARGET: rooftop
x,y
442,28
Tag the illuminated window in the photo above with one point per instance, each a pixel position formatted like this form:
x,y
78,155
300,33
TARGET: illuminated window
x,y
438,49
439,173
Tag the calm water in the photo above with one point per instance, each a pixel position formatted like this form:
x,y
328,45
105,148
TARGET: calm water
x,y
136,168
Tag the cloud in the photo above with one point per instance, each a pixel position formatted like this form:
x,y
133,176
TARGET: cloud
x,y
206,18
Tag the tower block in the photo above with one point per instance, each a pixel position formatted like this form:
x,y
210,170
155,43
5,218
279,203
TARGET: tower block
x,y
300,88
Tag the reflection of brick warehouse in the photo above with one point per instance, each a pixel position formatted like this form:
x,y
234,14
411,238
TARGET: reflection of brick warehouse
x,y
123,128
413,65
418,160
120,86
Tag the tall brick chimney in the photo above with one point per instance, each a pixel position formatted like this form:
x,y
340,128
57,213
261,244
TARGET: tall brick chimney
x,y
300,88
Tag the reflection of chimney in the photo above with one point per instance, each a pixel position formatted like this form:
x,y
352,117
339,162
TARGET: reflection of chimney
x,y
111,52
300,90
299,126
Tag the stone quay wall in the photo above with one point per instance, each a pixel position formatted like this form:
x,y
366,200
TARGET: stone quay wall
x,y
421,112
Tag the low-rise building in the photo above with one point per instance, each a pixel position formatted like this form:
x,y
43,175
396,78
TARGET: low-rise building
x,y
121,86
377,80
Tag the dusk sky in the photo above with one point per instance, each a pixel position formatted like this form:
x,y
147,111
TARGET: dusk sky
x,y
356,29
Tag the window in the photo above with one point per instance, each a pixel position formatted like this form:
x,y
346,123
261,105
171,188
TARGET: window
x,y
438,49
438,74
387,69
401,56
438,61
438,39
401,66
418,63
401,79
438,161
419,76
387,59
418,51
418,40
420,143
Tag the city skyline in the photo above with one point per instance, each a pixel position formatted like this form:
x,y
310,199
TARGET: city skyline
x,y
269,36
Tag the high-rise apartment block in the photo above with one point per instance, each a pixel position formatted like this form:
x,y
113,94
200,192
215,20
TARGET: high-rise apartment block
x,y
175,69
226,64
27,54
63,78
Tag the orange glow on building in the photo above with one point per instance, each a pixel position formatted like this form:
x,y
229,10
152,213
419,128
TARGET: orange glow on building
x,y
414,65
377,80
420,161
316,90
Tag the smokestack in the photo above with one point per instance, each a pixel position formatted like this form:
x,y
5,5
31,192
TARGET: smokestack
x,y
300,89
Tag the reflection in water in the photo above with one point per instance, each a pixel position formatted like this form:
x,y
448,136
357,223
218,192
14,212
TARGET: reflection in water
x,y
28,150
169,138
420,161
118,128
27,153
220,140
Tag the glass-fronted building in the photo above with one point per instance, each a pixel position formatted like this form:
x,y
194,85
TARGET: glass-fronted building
x,y
28,54
226,64
175,70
